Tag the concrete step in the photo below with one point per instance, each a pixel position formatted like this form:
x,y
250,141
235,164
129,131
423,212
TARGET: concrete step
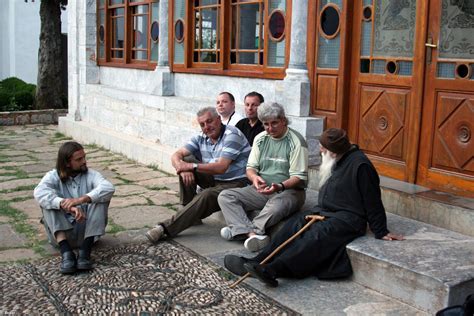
x,y
433,207
433,268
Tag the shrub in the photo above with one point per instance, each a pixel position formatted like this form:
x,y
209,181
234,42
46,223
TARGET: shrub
x,y
16,95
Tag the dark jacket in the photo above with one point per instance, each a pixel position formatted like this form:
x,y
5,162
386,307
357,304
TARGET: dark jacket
x,y
352,194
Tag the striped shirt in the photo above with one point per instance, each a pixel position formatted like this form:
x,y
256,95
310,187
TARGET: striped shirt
x,y
276,160
231,144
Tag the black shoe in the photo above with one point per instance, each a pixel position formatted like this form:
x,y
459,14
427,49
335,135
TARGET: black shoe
x,y
235,264
84,261
68,263
258,271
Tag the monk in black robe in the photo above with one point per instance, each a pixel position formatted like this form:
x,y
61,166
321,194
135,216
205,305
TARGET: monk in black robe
x,y
349,198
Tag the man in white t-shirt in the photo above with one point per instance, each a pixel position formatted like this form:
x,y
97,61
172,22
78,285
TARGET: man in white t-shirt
x,y
225,106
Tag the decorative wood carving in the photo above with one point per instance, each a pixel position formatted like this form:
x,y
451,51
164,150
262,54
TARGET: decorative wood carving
x,y
383,121
453,143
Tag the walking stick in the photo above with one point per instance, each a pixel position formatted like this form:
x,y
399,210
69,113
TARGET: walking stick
x,y
312,219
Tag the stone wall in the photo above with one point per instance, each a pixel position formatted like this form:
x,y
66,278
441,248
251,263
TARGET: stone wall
x,y
31,117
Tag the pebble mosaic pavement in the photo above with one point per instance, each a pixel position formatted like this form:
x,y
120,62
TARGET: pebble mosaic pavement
x,y
163,279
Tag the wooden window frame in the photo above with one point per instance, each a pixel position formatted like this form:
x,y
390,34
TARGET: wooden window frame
x,y
127,61
224,66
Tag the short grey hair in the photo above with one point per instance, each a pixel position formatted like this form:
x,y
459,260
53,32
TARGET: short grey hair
x,y
206,109
271,111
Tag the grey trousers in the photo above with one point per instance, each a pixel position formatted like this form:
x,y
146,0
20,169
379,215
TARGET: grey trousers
x,y
198,205
56,220
235,203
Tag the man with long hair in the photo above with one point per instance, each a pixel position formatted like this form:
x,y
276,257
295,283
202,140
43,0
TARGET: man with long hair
x,y
74,201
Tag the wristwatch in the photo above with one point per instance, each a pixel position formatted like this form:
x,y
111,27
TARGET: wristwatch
x,y
195,167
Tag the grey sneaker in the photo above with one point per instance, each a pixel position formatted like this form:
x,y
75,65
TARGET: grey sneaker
x,y
226,233
256,242
155,234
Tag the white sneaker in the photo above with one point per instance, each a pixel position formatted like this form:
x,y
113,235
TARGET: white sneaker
x,y
226,233
155,234
256,242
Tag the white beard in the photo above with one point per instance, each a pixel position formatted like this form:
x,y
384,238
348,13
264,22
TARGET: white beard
x,y
325,169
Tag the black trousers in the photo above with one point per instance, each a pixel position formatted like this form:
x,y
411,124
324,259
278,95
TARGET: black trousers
x,y
319,251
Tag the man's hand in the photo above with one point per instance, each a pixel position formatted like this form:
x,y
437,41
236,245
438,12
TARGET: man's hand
x,y
273,188
188,178
78,214
259,183
66,204
391,236
183,166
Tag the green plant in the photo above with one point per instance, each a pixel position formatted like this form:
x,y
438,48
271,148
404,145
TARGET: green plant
x,y
16,95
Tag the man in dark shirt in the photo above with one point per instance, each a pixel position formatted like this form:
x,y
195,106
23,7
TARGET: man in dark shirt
x,y
251,125
349,197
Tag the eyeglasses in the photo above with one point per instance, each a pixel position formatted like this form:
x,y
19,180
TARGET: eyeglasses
x,y
272,124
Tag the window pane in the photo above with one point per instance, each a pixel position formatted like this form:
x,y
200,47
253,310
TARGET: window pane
x,y
208,57
208,2
118,28
209,28
112,2
249,26
140,55
140,28
248,58
457,30
394,28
276,53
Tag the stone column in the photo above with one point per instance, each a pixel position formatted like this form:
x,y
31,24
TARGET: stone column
x,y
294,91
163,43
164,83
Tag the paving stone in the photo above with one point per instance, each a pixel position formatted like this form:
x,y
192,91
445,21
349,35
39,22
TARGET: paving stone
x,y
46,149
139,176
159,182
23,158
6,178
8,185
17,194
38,167
49,156
16,163
10,255
29,207
4,219
128,168
129,189
10,238
13,153
40,230
118,201
163,197
3,171
140,216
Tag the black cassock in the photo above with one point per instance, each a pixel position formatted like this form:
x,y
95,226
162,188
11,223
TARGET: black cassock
x,y
349,199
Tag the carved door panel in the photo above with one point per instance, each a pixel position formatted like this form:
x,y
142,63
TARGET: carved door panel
x,y
386,83
447,144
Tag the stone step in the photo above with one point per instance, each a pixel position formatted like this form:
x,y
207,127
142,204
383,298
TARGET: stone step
x,y
433,207
431,269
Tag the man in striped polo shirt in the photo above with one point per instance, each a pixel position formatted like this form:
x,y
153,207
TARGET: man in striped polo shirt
x,y
278,170
221,154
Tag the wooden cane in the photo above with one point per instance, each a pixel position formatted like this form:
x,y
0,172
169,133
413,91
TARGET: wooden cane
x,y
312,219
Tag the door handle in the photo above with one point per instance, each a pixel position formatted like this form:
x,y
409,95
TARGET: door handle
x,y
429,46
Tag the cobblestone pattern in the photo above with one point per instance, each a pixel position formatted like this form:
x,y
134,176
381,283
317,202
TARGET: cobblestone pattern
x,y
162,279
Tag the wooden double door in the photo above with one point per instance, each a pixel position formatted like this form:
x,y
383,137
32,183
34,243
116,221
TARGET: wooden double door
x,y
406,88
